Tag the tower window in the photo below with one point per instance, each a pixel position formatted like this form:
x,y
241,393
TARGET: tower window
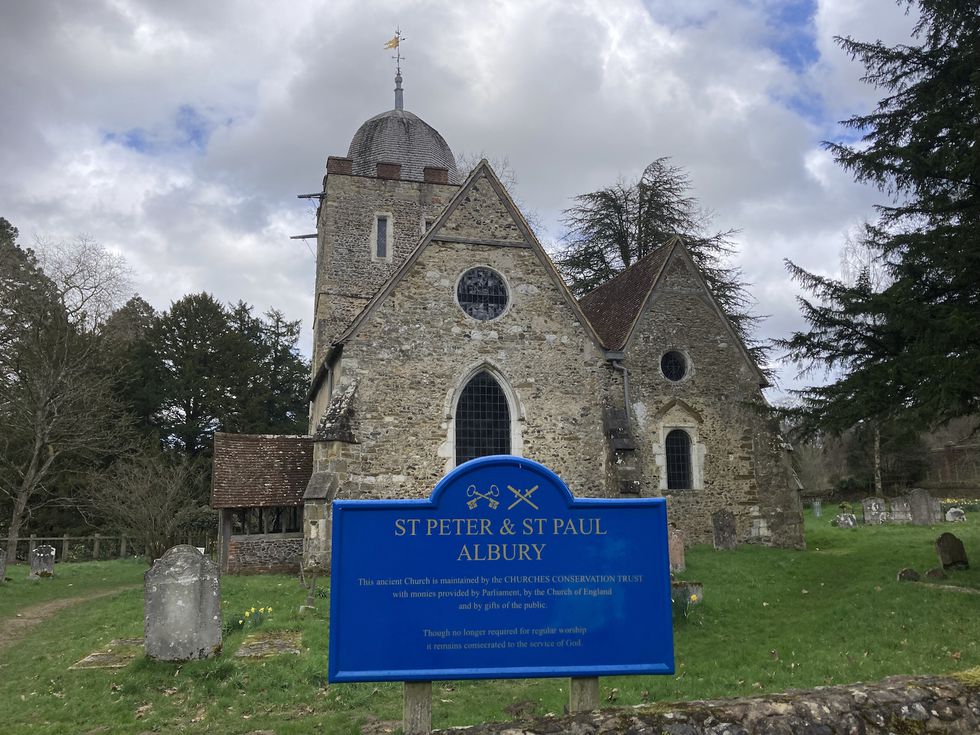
x,y
678,450
381,239
482,420
482,293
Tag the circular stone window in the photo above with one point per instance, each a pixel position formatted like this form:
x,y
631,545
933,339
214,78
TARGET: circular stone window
x,y
482,293
673,365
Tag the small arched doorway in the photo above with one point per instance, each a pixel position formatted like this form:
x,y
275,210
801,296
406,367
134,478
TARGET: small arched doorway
x,y
482,419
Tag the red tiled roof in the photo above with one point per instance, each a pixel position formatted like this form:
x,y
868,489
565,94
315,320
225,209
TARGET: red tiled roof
x,y
612,307
253,470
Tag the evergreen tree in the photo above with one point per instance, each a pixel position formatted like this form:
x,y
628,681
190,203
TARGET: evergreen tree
x,y
911,351
610,229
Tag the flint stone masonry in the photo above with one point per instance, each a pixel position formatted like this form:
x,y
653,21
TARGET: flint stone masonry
x,y
952,554
925,509
182,606
42,562
272,552
900,704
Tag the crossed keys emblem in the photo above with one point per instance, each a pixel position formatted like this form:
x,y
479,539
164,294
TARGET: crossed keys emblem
x,y
477,496
523,496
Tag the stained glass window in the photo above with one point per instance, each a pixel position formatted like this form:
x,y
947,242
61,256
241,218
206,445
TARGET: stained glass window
x,y
678,450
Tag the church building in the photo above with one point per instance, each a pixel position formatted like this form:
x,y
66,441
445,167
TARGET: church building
x,y
443,332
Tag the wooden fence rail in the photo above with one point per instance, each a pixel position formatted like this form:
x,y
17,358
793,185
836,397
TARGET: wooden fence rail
x,y
97,546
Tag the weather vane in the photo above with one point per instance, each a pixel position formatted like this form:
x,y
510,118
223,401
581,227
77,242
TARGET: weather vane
x,y
395,43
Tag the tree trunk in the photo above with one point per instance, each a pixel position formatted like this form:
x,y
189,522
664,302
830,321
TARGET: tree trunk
x,y
879,491
16,521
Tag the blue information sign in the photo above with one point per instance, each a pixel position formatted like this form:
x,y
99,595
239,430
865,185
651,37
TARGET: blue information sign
x,y
500,573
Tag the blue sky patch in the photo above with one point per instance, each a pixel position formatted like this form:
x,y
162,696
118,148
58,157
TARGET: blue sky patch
x,y
188,130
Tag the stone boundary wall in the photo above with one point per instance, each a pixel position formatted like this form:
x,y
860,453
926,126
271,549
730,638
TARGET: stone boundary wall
x,y
897,705
264,553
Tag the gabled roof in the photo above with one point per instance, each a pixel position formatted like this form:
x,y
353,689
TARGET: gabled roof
x,y
260,470
483,170
615,307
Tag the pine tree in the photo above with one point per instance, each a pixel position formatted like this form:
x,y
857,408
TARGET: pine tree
x,y
910,352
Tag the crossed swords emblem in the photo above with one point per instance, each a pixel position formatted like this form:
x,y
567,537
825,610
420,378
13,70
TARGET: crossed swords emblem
x,y
521,496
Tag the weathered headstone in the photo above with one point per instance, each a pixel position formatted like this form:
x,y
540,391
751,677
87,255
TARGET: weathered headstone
x,y
675,546
899,510
42,562
723,525
845,520
952,555
182,606
874,511
936,573
925,509
955,515
817,508
908,575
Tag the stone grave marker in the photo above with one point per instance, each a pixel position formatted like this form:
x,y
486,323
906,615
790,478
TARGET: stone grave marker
x,y
675,545
874,511
182,606
936,573
899,510
845,520
908,575
817,508
42,562
723,525
952,554
925,509
956,515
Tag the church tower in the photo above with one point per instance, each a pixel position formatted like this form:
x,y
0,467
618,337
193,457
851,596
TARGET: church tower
x,y
377,201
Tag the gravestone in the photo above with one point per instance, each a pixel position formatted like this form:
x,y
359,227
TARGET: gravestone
x,y
845,520
42,562
899,511
817,508
955,515
925,509
675,547
952,555
936,573
723,527
182,606
908,575
874,511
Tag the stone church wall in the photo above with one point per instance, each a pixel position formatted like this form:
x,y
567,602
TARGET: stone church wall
x,y
718,403
419,348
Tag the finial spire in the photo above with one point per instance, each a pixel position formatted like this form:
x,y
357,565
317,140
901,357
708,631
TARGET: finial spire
x,y
395,43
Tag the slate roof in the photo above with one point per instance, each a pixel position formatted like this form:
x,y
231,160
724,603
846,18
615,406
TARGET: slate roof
x,y
253,470
613,307
399,136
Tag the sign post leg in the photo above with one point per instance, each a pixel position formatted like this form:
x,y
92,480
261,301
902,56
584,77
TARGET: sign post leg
x,y
584,694
418,708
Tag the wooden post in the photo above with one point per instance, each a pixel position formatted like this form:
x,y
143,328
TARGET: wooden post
x,y
122,548
64,547
31,545
418,708
95,548
584,694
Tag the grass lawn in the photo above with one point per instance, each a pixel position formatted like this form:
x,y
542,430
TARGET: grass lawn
x,y
771,620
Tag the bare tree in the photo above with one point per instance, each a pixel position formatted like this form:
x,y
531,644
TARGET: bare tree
x,y
57,409
150,496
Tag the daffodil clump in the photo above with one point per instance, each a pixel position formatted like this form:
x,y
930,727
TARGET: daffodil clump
x,y
252,617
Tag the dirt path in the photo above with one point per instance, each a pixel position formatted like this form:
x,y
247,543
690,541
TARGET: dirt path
x,y
17,627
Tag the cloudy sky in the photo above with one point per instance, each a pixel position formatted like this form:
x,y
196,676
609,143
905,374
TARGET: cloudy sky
x,y
178,133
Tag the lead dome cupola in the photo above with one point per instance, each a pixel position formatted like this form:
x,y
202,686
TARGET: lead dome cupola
x,y
399,136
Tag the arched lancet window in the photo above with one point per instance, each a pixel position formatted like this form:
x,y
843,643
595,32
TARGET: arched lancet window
x,y
678,450
482,420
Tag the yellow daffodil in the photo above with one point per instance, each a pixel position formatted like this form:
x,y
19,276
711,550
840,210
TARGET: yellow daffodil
x,y
694,598
270,608
253,609
241,622
261,609
247,613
